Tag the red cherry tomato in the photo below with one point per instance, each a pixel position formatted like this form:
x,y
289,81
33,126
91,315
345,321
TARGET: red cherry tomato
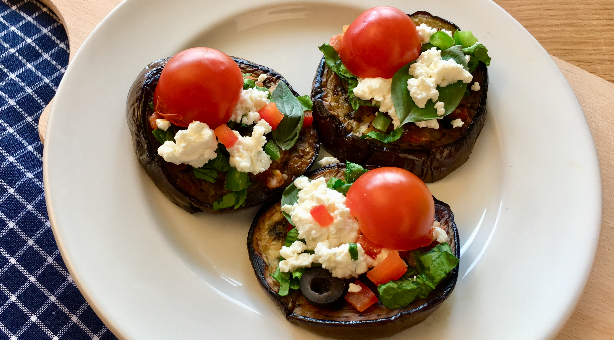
x,y
394,208
379,42
198,84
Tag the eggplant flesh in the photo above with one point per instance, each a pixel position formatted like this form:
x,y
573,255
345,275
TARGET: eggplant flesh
x,y
430,154
178,182
268,234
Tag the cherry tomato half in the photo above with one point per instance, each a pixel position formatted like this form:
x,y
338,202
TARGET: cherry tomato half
x,y
198,84
379,42
394,208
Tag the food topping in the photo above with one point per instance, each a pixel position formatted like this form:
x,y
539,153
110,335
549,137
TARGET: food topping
x,y
395,214
327,161
421,89
321,289
250,102
379,42
194,146
198,84
247,154
163,124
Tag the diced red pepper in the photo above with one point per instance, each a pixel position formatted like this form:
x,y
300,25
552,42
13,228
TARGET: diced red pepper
x,y
308,120
368,246
391,268
225,135
321,215
335,41
271,114
362,299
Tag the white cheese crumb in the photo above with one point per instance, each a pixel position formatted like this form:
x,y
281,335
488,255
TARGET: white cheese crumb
x,y
163,124
475,86
431,123
379,90
261,79
430,71
250,102
247,155
439,106
354,288
467,58
344,227
194,146
328,161
339,261
425,32
294,258
439,234
457,123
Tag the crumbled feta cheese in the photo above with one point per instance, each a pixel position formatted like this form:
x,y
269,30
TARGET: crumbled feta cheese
x,y
467,58
194,146
247,155
439,234
430,71
378,89
431,123
163,124
250,102
294,257
475,86
339,261
354,288
439,106
261,79
425,32
457,123
328,161
448,32
344,227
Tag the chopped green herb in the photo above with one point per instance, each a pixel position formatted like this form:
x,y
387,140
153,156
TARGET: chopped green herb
x,y
353,171
479,51
381,121
236,180
163,136
353,248
248,83
306,102
339,185
234,199
441,40
393,136
289,128
291,237
208,175
272,150
289,197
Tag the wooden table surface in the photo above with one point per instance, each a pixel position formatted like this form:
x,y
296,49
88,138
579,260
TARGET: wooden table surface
x,y
576,31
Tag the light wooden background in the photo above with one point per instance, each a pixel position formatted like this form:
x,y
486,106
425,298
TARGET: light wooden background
x,y
580,32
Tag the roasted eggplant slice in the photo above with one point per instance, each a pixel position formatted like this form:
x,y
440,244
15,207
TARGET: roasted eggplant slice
x,y
178,182
268,234
430,154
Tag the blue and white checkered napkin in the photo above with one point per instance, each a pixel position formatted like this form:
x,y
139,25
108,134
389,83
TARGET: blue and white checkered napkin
x,y
38,298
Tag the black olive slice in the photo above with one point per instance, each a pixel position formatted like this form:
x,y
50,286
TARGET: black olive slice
x,y
320,288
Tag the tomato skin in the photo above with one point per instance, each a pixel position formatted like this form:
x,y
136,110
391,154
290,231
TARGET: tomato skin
x,y
363,299
379,42
198,84
394,208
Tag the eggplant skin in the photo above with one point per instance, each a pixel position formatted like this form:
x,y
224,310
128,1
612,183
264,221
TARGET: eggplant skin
x,y
178,182
267,235
431,158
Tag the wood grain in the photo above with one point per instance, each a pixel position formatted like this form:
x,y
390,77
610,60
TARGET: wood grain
x,y
577,31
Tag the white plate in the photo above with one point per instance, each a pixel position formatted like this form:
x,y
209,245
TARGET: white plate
x,y
528,202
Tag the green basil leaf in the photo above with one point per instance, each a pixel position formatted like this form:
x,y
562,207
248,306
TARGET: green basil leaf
x,y
236,180
403,103
291,237
441,40
339,185
437,262
479,51
393,136
221,161
456,53
272,150
163,136
295,280
332,60
288,130
353,171
235,198
248,83
426,47
208,175
284,281
289,197
305,102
